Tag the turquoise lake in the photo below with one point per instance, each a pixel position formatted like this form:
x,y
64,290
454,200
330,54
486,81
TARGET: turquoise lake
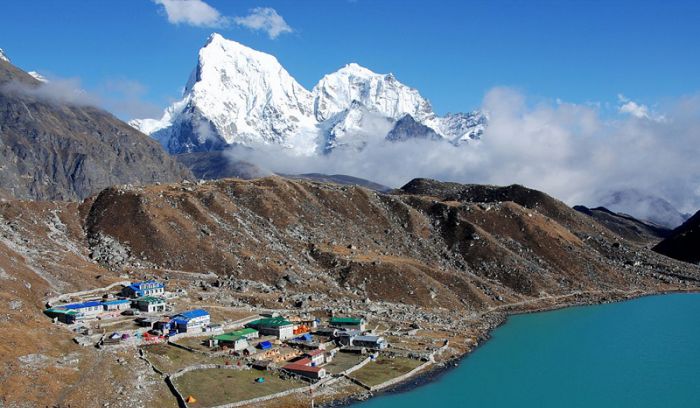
x,y
639,353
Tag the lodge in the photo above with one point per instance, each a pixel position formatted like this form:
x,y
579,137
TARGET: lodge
x,y
236,340
274,326
145,288
116,305
354,323
191,320
150,304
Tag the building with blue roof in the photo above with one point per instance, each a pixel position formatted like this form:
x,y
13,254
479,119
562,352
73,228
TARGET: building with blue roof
x,y
84,310
191,320
145,288
116,305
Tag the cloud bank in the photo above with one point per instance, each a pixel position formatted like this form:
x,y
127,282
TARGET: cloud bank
x,y
265,19
122,97
574,152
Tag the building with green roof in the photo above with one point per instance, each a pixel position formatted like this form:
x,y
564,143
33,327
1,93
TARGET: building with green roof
x,y
238,340
63,315
150,304
356,323
280,327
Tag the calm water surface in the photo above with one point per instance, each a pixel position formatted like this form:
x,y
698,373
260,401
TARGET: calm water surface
x,y
639,353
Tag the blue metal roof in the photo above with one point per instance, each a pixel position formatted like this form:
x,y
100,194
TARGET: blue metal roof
x,y
116,302
83,305
264,345
151,283
191,314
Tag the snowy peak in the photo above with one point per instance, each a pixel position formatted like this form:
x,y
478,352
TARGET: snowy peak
x,y
3,56
378,92
235,95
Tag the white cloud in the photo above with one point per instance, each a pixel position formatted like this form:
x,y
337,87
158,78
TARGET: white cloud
x,y
570,151
121,97
635,109
192,12
265,19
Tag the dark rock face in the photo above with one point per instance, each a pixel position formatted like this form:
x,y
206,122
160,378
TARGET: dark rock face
x,y
214,165
626,226
684,242
52,150
407,128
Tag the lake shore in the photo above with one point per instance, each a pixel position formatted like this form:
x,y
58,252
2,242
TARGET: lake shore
x,y
495,319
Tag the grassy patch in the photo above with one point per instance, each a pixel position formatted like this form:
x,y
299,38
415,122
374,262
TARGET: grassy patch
x,y
219,386
196,343
384,369
343,361
170,359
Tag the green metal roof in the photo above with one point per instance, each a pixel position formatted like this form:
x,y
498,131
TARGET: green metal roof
x,y
269,322
151,299
346,320
235,335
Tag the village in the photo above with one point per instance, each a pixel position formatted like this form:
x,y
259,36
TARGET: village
x,y
215,358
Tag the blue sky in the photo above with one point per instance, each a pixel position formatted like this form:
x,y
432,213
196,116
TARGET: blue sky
x,y
452,51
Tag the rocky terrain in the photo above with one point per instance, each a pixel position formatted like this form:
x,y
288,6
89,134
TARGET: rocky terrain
x,y
55,148
683,242
431,253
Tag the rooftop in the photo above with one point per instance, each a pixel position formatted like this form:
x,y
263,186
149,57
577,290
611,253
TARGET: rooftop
x,y
235,335
270,322
60,311
191,314
146,284
346,320
301,367
115,302
83,305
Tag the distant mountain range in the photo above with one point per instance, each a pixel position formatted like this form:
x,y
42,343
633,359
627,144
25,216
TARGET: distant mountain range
x,y
237,95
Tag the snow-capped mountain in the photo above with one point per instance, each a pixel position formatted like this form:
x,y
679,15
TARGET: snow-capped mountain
x,y
380,93
237,95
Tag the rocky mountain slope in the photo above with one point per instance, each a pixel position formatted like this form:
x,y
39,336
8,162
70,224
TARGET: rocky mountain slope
x,y
431,251
51,149
239,95
626,226
683,242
